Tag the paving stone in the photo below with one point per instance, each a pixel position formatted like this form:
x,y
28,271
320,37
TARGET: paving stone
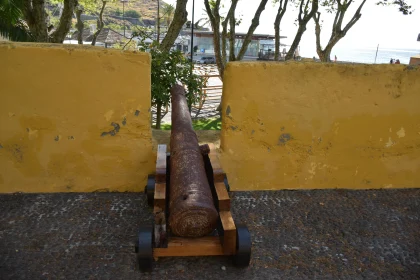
x,y
322,234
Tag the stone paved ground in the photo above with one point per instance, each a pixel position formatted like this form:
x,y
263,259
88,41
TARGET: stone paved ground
x,y
328,234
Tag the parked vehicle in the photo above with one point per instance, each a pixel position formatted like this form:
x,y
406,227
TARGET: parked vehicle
x,y
206,60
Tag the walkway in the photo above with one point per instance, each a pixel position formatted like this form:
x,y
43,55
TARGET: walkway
x,y
327,234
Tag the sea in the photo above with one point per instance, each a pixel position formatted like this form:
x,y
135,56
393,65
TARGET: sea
x,y
368,55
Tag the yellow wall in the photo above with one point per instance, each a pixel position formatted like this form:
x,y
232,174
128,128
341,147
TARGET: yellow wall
x,y
60,106
312,125
415,60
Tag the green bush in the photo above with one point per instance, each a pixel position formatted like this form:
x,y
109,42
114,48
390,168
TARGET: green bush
x,y
168,69
132,14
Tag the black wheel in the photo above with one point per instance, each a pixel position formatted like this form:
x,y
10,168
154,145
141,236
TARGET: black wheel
x,y
144,248
243,247
150,190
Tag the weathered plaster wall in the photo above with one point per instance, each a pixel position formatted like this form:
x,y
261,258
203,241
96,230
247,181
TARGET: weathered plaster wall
x,y
415,60
311,125
73,119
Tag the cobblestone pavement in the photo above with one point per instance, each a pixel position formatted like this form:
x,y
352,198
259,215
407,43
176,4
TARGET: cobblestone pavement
x,y
327,234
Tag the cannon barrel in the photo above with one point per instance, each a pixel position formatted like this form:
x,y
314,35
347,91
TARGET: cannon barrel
x,y
191,209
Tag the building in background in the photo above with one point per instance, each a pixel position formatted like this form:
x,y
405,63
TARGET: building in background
x,y
203,42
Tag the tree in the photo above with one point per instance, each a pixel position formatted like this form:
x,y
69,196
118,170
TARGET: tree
x,y
79,24
27,20
304,16
99,23
168,13
90,6
11,24
168,68
179,18
279,16
402,5
219,41
213,12
340,8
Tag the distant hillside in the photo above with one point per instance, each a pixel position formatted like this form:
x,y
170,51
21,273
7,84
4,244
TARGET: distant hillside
x,y
146,8
113,14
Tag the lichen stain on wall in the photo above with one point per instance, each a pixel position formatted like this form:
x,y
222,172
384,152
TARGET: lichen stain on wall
x,y
74,119
308,125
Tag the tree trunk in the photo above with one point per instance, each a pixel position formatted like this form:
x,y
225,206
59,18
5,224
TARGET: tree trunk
x,y
158,22
277,40
232,36
79,25
296,41
100,24
37,21
303,21
158,114
63,28
324,55
230,19
224,38
337,32
214,17
180,17
254,25
280,13
217,51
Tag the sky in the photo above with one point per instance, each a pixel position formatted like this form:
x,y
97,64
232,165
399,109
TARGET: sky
x,y
385,26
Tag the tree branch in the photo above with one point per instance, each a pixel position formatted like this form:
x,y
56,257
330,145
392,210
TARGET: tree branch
x,y
300,10
229,18
280,13
79,24
232,38
317,17
254,25
357,15
100,23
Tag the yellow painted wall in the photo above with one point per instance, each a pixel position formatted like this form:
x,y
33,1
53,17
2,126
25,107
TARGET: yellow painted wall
x,y
312,125
74,119
415,60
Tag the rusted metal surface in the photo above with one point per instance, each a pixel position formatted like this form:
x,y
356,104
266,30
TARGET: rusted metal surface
x,y
191,209
205,149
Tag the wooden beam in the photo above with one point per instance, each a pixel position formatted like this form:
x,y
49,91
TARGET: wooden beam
x,y
218,174
229,236
222,196
160,195
187,247
161,164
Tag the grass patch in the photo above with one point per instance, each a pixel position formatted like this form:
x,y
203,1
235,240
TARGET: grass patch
x,y
200,124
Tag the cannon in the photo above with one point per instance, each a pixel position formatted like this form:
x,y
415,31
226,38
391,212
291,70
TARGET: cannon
x,y
190,200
